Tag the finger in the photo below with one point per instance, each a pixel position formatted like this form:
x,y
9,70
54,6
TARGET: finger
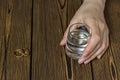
x,y
107,43
64,39
95,37
92,44
94,55
101,54
83,59
102,49
99,51
90,59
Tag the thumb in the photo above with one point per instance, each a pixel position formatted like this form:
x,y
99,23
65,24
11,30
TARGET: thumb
x,y
64,39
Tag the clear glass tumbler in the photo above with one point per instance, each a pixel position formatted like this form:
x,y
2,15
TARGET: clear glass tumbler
x,y
77,39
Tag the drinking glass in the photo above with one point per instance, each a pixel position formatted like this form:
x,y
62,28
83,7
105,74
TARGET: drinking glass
x,y
77,39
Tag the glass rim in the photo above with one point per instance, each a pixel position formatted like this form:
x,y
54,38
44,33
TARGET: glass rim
x,y
80,24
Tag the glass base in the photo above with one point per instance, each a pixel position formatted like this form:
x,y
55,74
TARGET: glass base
x,y
73,55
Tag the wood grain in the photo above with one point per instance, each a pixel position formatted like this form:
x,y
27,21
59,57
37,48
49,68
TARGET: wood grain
x,y
30,32
2,38
79,72
48,58
18,39
63,13
114,26
108,67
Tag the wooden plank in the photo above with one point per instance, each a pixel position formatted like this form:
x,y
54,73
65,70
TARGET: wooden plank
x,y
48,58
79,72
18,37
2,38
62,8
108,68
114,23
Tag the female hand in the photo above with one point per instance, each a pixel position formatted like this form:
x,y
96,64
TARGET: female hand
x,y
93,16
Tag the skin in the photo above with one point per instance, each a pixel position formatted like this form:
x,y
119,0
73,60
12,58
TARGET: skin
x,y
91,13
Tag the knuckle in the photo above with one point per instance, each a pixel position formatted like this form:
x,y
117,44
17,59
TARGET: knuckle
x,y
104,46
97,37
103,26
87,52
97,53
89,18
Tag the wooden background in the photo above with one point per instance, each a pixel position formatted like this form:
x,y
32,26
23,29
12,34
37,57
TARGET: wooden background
x,y
30,32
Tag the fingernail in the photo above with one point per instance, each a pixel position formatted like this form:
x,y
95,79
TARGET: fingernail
x,y
99,57
61,43
86,62
80,61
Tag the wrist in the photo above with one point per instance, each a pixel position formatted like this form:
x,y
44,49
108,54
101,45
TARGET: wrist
x,y
98,4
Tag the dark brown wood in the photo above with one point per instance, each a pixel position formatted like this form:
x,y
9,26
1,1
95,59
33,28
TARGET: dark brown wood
x,y
63,12
2,38
114,25
48,58
18,39
108,68
30,32
79,72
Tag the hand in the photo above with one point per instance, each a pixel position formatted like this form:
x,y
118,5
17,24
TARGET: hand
x,y
93,16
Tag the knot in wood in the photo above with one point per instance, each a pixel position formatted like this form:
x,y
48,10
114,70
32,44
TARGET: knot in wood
x,y
22,52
